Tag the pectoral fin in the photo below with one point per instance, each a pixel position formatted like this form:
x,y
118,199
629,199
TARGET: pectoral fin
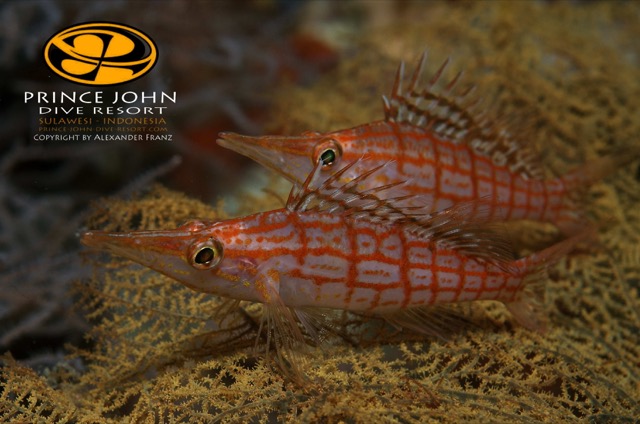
x,y
280,325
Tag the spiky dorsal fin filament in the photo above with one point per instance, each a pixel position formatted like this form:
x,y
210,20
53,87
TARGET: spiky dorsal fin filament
x,y
415,79
452,114
465,227
397,84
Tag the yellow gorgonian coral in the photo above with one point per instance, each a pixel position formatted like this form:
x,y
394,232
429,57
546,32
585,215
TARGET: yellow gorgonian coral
x,y
158,351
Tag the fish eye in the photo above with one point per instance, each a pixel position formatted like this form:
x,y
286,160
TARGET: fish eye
x,y
328,152
328,157
205,255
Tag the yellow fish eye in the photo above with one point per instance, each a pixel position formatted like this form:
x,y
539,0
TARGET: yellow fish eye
x,y
205,255
328,151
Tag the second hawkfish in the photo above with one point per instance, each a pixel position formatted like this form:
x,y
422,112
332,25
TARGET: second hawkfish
x,y
440,149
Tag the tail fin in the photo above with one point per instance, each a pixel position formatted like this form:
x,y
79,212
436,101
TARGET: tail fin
x,y
527,305
594,171
570,220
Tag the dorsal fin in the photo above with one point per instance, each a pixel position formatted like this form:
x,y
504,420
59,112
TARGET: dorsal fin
x,y
451,115
464,227
327,194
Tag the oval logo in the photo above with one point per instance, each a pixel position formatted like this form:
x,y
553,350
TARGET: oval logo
x,y
100,53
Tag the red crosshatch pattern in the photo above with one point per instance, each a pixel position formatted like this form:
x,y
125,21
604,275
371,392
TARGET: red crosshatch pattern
x,y
442,149
444,173
439,172
334,261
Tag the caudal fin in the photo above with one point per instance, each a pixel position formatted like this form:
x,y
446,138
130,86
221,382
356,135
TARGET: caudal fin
x,y
571,220
527,307
594,171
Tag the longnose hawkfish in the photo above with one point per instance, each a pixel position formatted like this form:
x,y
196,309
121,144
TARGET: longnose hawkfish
x,y
442,149
335,247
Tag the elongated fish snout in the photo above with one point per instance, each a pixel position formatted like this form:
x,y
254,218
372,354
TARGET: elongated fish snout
x,y
122,244
243,144
253,147
140,246
229,139
189,254
96,239
261,149
286,155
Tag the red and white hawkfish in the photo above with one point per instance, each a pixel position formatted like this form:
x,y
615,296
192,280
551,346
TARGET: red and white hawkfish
x,y
335,247
441,149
